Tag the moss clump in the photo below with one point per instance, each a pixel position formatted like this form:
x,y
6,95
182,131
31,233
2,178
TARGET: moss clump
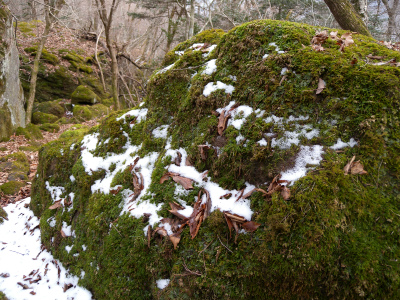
x,y
50,127
27,28
75,135
85,112
81,67
336,237
11,187
108,102
46,55
3,148
73,57
3,215
5,123
16,165
41,118
84,95
50,107
31,131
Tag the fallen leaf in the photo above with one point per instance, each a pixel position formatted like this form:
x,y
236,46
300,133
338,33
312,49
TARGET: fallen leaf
x,y
188,162
161,231
56,205
63,234
321,86
175,239
375,57
178,158
348,166
226,196
174,210
67,286
358,168
320,38
185,182
203,153
116,191
250,226
247,195
222,120
285,192
134,164
24,286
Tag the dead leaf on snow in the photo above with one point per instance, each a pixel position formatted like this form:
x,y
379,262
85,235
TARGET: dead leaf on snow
x,y
116,191
161,231
178,158
222,120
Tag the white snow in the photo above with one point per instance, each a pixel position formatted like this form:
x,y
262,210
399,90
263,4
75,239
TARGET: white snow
x,y
284,71
340,145
308,155
162,283
211,67
72,178
180,53
212,87
238,115
67,229
165,69
161,132
265,56
55,191
140,115
20,254
233,77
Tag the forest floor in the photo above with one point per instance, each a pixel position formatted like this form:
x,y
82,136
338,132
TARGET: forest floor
x,y
14,145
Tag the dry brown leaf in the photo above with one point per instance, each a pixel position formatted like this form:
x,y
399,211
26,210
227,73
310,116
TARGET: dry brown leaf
x,y
320,38
226,196
358,168
178,158
56,204
175,239
235,217
285,192
250,226
116,191
321,86
185,182
161,231
63,234
188,162
222,120
370,56
230,225
134,163
203,153
348,166
247,195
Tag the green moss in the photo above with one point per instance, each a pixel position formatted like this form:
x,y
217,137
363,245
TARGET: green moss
x,y
6,127
46,55
3,215
11,187
50,107
85,112
31,131
50,127
108,102
16,165
74,135
3,148
73,57
42,118
84,95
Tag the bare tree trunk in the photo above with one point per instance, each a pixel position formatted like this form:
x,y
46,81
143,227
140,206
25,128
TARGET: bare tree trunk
x,y
346,16
391,11
191,31
107,22
35,68
361,7
98,62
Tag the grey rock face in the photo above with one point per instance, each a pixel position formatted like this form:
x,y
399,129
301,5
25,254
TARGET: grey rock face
x,y
12,112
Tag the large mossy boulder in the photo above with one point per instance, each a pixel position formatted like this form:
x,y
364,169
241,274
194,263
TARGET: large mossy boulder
x,y
16,165
223,120
88,112
84,95
51,107
41,118
31,132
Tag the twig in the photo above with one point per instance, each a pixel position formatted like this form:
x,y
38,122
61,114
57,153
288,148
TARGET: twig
x,y
188,270
224,245
207,246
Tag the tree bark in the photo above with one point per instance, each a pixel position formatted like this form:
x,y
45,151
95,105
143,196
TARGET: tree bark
x,y
391,11
35,68
346,16
191,31
361,7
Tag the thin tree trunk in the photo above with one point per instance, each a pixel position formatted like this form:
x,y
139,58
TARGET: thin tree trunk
x,y
98,62
191,31
391,11
346,16
35,69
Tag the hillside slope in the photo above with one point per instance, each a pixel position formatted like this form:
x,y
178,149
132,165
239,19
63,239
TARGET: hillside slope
x,y
236,178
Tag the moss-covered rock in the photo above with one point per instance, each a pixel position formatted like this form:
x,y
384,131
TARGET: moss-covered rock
x,y
6,127
46,55
337,236
84,95
11,187
108,102
50,127
16,165
50,107
41,118
89,112
31,131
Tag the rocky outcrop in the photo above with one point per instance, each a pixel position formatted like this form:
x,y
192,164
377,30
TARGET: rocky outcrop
x,y
12,113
